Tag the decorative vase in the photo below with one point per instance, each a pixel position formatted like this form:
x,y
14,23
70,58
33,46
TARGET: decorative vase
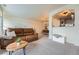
x,y
18,43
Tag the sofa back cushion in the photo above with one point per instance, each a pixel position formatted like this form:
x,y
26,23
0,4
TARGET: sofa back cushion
x,y
28,31
22,31
18,31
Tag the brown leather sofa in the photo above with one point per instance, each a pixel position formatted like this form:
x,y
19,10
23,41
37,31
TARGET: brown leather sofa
x,y
27,34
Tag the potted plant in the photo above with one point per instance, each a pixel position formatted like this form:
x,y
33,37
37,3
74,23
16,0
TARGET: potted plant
x,y
18,39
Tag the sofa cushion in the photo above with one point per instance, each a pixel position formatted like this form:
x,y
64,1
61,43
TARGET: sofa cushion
x,y
28,34
29,30
30,38
18,31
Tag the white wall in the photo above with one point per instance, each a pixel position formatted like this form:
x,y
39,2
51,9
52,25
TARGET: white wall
x,y
38,26
16,22
71,33
0,25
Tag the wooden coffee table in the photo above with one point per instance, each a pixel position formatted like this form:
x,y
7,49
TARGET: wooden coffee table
x,y
13,47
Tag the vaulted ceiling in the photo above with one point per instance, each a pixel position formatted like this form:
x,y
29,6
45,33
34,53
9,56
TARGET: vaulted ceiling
x,y
30,11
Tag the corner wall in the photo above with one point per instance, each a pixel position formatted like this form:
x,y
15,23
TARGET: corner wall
x,y
16,22
71,33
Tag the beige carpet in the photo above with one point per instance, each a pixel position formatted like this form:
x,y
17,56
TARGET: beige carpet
x,y
45,46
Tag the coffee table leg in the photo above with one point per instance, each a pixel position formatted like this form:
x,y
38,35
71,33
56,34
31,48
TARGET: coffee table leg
x,y
10,52
24,51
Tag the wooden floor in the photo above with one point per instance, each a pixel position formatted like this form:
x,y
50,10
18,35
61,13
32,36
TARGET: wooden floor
x,y
45,46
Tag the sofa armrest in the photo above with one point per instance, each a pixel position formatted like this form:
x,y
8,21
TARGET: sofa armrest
x,y
30,38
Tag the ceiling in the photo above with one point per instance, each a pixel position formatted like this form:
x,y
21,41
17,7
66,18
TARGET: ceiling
x,y
30,11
